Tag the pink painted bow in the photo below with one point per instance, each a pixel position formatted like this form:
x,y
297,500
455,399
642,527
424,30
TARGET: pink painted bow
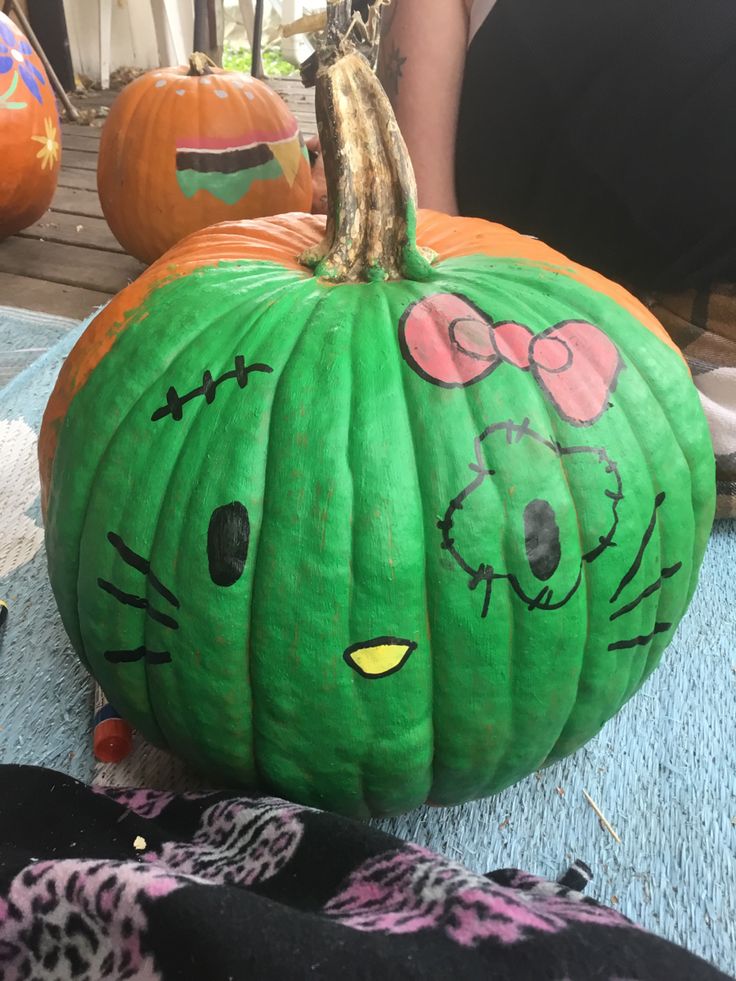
x,y
450,342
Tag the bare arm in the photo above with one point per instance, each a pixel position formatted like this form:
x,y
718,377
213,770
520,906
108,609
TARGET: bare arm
x,y
421,63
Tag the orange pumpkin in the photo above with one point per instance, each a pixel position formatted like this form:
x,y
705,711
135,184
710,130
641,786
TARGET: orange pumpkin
x,y
30,141
184,148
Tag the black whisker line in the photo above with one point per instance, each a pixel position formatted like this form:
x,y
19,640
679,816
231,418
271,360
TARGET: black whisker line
x,y
175,402
665,574
141,565
139,602
658,501
623,645
139,654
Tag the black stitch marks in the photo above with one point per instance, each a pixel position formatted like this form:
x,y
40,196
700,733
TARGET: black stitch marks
x,y
539,528
175,402
143,566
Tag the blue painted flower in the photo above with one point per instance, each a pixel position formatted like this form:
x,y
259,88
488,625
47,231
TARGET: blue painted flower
x,y
14,53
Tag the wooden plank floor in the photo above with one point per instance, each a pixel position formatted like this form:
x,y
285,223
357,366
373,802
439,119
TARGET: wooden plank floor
x,y
69,262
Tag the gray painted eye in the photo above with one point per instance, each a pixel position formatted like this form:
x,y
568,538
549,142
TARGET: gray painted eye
x,y
541,539
228,536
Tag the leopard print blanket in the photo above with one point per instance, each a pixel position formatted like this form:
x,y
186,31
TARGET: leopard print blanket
x,y
99,883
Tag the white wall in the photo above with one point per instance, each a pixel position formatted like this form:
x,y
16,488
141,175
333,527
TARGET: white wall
x,y
143,36
133,35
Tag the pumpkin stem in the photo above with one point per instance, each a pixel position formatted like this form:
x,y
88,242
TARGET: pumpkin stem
x,y
200,64
371,190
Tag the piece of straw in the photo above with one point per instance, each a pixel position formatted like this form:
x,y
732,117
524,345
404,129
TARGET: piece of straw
x,y
601,817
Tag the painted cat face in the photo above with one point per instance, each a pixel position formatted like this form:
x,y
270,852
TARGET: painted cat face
x,y
502,525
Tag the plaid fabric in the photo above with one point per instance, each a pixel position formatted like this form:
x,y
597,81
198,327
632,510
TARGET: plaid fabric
x,y
703,325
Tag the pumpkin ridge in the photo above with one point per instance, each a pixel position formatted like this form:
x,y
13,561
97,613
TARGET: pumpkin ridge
x,y
585,653
256,549
260,285
659,643
507,726
698,547
429,599
162,111
655,646
360,764
109,163
586,660
82,523
160,738
198,419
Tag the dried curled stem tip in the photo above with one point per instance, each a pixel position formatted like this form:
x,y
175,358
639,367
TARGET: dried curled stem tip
x,y
200,64
308,24
371,191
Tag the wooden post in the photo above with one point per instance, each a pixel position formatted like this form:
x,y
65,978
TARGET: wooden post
x,y
201,26
105,7
206,34
256,68
48,20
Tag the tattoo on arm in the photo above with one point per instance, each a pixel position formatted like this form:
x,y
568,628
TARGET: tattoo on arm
x,y
393,70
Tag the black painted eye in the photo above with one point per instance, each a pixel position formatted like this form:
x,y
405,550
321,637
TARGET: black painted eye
x,y
227,543
541,539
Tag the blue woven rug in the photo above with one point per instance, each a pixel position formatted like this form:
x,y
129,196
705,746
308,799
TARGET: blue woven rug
x,y
663,772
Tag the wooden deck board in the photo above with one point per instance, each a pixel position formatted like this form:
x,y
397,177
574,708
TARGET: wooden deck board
x,y
90,134
78,139
91,233
73,201
57,298
68,263
83,159
82,180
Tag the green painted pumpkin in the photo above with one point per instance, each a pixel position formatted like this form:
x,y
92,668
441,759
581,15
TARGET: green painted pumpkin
x,y
395,529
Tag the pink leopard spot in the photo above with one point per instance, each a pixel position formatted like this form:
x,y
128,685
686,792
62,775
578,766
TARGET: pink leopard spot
x,y
411,890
